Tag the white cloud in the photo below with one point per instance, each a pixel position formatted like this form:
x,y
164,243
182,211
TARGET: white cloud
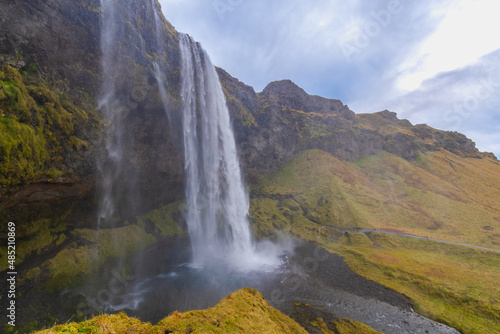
x,y
468,31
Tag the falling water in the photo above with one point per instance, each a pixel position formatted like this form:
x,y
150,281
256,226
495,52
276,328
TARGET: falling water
x,y
121,92
217,203
107,103
160,40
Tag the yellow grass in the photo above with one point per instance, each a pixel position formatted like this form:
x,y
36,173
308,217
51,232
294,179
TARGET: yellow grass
x,y
244,311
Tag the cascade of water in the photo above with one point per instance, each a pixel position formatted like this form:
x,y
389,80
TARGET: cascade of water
x,y
107,104
160,36
217,203
120,93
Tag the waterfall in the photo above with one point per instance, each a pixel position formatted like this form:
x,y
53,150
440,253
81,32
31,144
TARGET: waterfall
x,y
216,199
107,104
217,202
121,92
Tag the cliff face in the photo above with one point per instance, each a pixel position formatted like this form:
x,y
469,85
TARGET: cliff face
x,y
52,130
60,38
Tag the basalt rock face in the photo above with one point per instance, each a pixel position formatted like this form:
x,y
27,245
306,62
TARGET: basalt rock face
x,y
60,38
60,42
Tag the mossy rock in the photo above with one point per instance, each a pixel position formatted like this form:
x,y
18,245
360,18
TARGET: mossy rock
x,y
39,128
164,221
90,252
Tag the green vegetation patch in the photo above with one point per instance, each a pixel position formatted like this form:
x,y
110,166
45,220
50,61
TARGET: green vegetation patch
x,y
36,237
38,128
164,221
91,250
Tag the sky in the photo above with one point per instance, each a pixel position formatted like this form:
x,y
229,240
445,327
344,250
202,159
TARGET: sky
x,y
432,62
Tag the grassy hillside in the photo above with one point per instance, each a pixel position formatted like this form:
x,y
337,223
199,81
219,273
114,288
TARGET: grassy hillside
x,y
452,284
439,195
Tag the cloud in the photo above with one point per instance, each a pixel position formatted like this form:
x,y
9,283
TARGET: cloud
x,y
465,100
463,35
262,41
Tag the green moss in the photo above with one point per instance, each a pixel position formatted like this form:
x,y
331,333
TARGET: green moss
x,y
23,151
244,311
71,266
320,324
165,221
37,236
38,128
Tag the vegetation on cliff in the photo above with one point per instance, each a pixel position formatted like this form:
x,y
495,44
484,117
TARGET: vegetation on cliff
x,y
315,166
40,130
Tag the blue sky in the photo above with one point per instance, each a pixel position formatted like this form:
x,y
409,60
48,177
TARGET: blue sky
x,y
433,62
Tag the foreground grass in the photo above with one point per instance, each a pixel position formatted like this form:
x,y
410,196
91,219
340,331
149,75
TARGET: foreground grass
x,y
244,311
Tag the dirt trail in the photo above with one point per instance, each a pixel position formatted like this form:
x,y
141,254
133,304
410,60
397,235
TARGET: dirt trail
x,y
368,232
